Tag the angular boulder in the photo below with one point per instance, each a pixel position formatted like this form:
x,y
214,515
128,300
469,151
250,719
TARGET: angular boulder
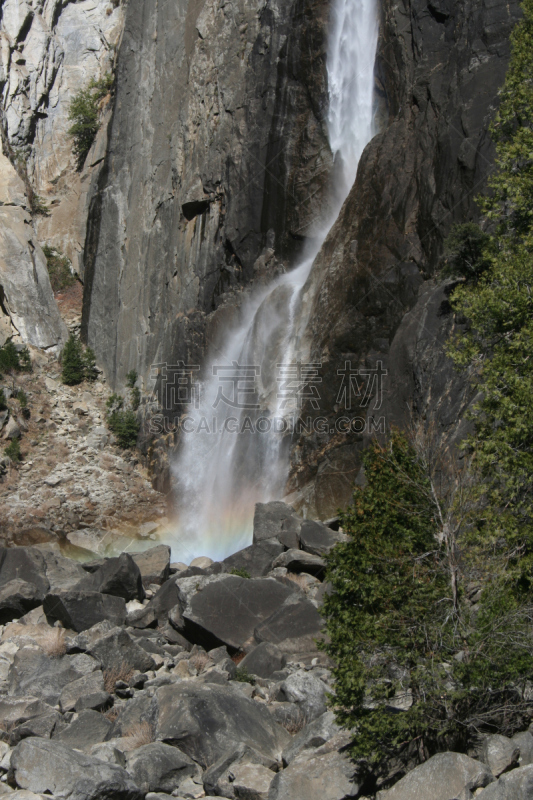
x,y
307,691
51,767
318,776
500,754
317,539
157,767
300,561
17,710
269,519
294,627
256,560
525,743
84,732
227,610
34,673
442,777
514,785
90,686
154,564
314,735
119,577
117,649
156,611
205,721
263,660
17,598
82,610
251,781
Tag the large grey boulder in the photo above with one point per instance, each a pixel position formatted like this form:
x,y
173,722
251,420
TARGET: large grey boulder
x,y
514,785
227,610
263,660
17,598
251,781
51,767
17,710
157,767
34,673
525,743
79,611
317,539
22,575
308,691
314,735
294,627
120,577
154,564
442,777
500,754
117,649
269,519
205,721
85,731
257,559
89,689
319,775
42,726
300,561
156,611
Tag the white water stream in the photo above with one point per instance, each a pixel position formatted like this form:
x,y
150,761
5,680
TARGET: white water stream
x,y
219,476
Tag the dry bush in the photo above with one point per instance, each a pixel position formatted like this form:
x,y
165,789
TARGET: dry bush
x,y
299,579
111,676
295,724
199,661
53,642
139,735
113,714
238,657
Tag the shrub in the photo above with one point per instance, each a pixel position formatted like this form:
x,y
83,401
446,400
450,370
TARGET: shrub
x,y
89,365
131,379
22,397
242,573
13,360
84,113
3,402
38,205
12,451
61,275
243,676
465,252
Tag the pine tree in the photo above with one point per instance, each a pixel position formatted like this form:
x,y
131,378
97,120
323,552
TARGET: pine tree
x,y
72,362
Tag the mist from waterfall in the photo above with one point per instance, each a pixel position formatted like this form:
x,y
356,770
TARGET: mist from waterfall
x,y
218,477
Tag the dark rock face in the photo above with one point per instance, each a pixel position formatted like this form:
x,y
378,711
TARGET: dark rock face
x,y
440,72
120,577
256,560
217,138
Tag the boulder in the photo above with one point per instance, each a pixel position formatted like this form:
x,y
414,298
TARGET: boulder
x,y
514,785
154,564
120,577
32,672
17,598
307,691
205,721
525,743
315,734
269,519
263,660
117,649
300,561
293,627
81,610
156,611
84,690
256,560
51,767
17,710
317,539
500,754
157,767
201,562
442,777
24,563
42,726
250,781
61,573
227,610
290,533
318,776
85,731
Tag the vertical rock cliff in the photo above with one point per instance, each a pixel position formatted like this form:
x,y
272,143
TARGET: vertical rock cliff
x,y
217,147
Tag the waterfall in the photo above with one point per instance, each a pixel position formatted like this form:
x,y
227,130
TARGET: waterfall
x,y
220,474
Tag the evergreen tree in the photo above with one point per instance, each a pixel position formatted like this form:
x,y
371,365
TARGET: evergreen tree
x,y
72,362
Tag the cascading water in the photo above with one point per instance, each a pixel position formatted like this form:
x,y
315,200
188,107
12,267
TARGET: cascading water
x,y
221,473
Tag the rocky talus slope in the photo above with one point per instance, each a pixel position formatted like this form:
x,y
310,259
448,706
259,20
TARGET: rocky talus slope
x,y
136,679
72,475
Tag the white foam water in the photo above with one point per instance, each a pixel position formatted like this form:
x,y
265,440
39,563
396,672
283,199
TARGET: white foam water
x,y
219,476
